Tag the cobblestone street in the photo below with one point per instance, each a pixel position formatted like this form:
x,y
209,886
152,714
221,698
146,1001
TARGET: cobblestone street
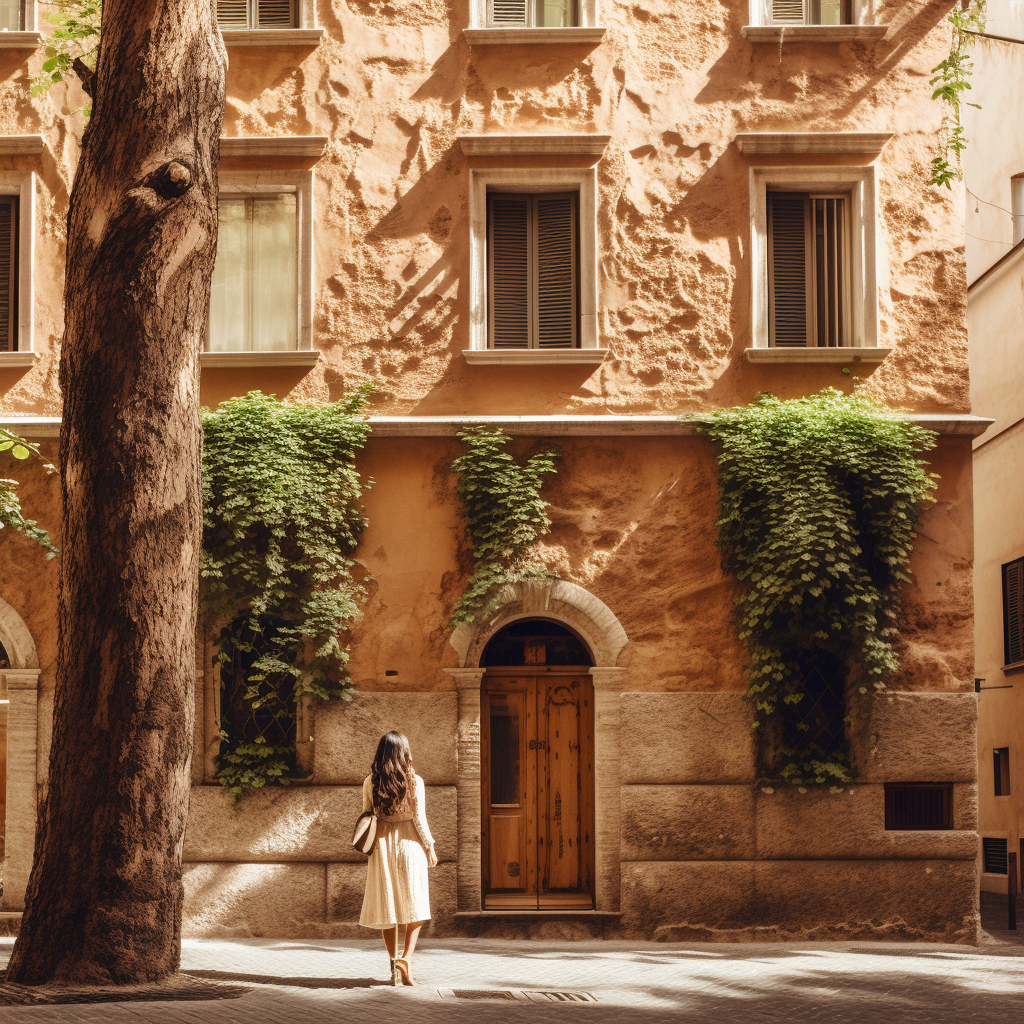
x,y
314,981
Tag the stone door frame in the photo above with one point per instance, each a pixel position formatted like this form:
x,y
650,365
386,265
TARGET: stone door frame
x,y
22,680
596,624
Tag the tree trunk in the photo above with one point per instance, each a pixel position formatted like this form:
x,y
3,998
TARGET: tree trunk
x,y
105,898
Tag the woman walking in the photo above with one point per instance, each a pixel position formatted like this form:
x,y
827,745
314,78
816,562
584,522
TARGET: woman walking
x,y
397,892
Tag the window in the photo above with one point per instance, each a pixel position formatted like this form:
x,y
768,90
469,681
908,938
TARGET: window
x,y
8,274
10,16
256,13
912,807
808,267
1013,612
807,12
532,270
254,295
993,855
1001,770
533,13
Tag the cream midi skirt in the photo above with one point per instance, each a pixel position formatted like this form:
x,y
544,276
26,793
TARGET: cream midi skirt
x,y
397,891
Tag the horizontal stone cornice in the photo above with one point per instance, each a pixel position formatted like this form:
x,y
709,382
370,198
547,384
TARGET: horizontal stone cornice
x,y
306,147
541,144
21,145
811,143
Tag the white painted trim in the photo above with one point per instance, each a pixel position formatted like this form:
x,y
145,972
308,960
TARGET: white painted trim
x,y
308,147
23,185
17,360
540,144
867,259
577,36
305,37
532,179
20,40
813,34
21,145
589,14
534,356
269,360
802,356
301,182
31,17
816,143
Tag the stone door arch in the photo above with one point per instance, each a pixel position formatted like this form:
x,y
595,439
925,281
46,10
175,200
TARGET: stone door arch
x,y
595,623
22,688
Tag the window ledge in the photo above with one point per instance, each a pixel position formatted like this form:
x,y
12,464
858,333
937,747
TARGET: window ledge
x,y
21,145
541,144
834,356
814,33
272,36
20,40
820,143
494,36
268,360
307,147
1017,666
9,360
533,356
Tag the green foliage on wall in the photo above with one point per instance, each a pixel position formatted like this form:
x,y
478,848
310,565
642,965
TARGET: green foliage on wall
x,y
72,47
282,515
951,82
10,506
818,501
505,515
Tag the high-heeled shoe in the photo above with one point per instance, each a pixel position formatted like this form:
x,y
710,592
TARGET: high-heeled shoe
x,y
394,974
402,968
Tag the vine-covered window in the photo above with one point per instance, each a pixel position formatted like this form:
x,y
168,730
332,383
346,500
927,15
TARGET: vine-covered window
x,y
256,13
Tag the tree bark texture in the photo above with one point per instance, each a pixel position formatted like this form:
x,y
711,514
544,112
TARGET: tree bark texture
x,y
105,898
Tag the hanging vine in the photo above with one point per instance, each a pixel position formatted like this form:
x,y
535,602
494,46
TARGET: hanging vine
x,y
817,505
505,515
282,515
10,505
951,81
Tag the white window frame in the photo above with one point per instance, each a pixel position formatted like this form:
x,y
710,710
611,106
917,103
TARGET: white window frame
x,y
23,185
533,180
866,257
478,17
250,183
862,13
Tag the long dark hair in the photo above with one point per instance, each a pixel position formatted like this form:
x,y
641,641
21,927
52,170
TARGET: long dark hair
x,y
392,772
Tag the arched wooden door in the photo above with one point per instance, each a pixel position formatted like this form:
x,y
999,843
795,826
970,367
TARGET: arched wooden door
x,y
537,745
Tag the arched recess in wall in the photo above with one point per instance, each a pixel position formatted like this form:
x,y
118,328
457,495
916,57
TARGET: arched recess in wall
x,y
586,615
17,640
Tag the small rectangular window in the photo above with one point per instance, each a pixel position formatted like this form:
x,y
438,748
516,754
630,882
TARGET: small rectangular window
x,y
8,274
254,294
808,12
912,807
533,13
256,13
1013,612
808,270
993,854
533,270
1001,770
10,16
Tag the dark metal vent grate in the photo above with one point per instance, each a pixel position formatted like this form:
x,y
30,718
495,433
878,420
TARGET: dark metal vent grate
x,y
918,806
994,855
480,993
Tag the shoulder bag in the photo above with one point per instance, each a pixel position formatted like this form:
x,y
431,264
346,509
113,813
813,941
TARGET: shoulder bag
x,y
365,832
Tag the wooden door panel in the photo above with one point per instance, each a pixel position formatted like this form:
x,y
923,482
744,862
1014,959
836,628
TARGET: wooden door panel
x,y
564,869
506,852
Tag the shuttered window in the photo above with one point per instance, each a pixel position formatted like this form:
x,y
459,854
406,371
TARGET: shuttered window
x,y
993,855
533,270
1013,612
10,15
533,13
807,12
256,13
254,294
8,274
808,270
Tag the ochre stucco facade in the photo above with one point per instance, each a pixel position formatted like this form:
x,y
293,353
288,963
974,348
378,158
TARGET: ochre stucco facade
x,y
685,845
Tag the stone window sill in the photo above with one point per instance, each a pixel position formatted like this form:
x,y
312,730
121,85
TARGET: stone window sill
x,y
534,356
20,40
265,360
814,33
10,360
273,36
833,356
533,36
1017,666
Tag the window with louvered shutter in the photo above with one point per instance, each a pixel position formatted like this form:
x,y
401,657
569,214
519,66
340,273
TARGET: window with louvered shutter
x,y
256,13
8,274
533,270
1013,611
509,12
533,13
808,270
808,12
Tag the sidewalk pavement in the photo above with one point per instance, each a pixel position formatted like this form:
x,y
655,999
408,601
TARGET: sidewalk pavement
x,y
465,981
